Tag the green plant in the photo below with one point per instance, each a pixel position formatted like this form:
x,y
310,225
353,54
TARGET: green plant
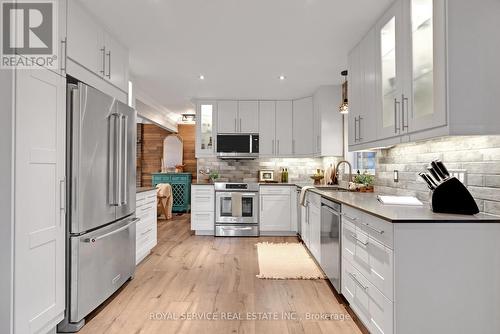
x,y
214,175
365,179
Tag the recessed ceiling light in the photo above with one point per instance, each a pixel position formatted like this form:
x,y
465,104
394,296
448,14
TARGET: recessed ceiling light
x,y
282,77
202,77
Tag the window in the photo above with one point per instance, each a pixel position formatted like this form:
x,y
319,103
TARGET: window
x,y
364,161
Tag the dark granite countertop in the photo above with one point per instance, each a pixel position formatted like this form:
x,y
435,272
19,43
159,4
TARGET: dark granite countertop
x,y
143,189
369,203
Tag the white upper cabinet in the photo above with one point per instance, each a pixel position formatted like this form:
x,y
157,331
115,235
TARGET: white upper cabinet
x,y
412,67
85,38
205,128
423,104
390,64
93,48
328,122
227,117
267,128
419,46
116,62
39,237
284,128
354,94
248,114
303,127
363,106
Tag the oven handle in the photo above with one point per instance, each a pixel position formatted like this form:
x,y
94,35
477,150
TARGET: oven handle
x,y
237,228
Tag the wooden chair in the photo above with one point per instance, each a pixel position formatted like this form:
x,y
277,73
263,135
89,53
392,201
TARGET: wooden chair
x,y
164,200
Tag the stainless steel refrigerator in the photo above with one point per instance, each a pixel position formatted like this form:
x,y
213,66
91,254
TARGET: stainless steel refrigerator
x,y
101,144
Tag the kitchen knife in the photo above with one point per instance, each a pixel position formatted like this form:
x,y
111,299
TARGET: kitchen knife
x,y
428,181
443,168
434,175
438,171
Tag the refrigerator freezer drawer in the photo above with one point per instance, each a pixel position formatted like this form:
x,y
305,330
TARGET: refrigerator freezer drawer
x,y
101,262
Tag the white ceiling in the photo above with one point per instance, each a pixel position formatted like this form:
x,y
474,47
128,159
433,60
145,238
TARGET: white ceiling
x,y
240,46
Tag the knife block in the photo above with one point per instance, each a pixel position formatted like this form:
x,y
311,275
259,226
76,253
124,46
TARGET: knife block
x,y
451,196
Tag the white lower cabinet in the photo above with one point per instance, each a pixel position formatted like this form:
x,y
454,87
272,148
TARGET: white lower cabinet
x,y
368,269
369,304
310,231
315,226
203,209
146,228
277,210
38,201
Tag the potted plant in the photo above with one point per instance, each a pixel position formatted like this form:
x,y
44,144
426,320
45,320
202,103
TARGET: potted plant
x,y
213,175
364,182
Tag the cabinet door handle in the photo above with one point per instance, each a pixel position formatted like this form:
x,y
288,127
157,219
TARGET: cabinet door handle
x,y
273,147
278,146
396,127
359,128
349,217
235,126
355,237
103,50
240,124
109,64
355,279
403,100
62,195
373,228
355,129
64,60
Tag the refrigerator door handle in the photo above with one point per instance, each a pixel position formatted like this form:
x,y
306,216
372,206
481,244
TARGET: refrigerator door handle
x,y
94,239
119,143
113,189
123,161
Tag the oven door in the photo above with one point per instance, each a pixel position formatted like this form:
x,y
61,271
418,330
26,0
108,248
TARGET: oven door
x,y
236,207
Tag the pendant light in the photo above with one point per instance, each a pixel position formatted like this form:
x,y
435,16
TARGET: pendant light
x,y
344,106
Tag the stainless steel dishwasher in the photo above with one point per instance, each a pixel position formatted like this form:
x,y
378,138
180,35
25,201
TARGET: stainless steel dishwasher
x,y
330,241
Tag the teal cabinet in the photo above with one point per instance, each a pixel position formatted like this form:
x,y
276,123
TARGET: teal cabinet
x,y
181,188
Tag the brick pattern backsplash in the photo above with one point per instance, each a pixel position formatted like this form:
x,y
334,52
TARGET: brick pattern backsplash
x,y
479,155
299,169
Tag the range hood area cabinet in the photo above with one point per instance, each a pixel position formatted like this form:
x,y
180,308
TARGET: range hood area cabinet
x,y
238,117
435,74
307,127
275,129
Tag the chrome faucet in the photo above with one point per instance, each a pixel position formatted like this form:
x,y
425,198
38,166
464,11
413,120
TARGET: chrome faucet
x,y
350,171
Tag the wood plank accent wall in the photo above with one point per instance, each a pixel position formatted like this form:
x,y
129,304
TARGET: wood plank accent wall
x,y
138,171
188,132
152,151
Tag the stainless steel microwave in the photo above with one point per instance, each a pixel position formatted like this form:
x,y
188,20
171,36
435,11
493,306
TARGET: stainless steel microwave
x,y
238,146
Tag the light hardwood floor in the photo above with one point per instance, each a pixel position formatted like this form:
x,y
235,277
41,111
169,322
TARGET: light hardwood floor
x,y
196,274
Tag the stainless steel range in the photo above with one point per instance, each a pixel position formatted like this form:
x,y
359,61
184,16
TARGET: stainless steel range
x,y
236,209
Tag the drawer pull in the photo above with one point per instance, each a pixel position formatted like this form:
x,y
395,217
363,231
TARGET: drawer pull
x,y
358,240
147,231
146,208
355,279
349,217
373,228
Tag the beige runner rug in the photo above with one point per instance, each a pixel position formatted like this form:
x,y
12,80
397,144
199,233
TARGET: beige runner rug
x,y
286,261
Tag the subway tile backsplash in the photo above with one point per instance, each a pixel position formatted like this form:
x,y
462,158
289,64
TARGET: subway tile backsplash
x,y
299,169
479,155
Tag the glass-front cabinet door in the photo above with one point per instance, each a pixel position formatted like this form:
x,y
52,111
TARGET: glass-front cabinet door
x,y
205,130
423,99
389,51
